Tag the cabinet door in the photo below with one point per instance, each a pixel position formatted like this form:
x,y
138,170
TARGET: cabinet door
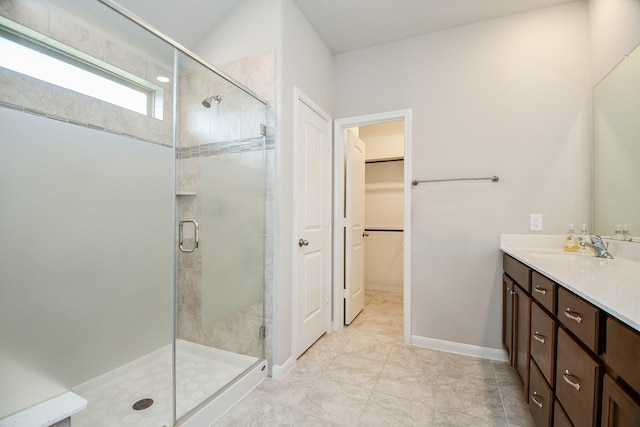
x,y
623,352
522,313
507,316
618,408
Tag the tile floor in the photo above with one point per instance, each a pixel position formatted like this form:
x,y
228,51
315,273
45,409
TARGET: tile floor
x,y
365,376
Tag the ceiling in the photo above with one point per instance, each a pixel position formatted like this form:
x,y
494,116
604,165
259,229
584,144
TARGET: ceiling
x,y
346,25
343,25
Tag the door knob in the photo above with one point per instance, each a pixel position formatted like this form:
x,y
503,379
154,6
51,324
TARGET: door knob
x,y
303,242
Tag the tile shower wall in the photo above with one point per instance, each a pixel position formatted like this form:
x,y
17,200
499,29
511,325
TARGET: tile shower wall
x,y
35,96
226,135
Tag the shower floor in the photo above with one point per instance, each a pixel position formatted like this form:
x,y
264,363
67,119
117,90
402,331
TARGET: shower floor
x,y
200,372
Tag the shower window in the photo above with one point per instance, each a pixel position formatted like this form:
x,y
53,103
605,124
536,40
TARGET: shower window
x,y
35,55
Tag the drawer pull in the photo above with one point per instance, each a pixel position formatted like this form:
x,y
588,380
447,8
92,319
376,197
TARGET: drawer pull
x,y
536,401
573,316
567,378
540,290
538,337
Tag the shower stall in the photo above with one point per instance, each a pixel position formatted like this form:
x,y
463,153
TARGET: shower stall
x,y
132,264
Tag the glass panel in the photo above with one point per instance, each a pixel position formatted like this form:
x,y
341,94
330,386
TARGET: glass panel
x,y
87,223
221,285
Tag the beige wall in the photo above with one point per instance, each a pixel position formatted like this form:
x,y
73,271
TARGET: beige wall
x,y
507,97
383,140
384,203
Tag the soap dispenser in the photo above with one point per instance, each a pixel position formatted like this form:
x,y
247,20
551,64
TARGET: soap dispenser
x,y
583,237
570,240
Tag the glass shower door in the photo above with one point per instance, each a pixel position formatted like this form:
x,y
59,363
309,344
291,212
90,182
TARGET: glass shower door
x,y
220,204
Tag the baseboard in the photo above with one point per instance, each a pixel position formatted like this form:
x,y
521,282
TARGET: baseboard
x,y
278,372
460,348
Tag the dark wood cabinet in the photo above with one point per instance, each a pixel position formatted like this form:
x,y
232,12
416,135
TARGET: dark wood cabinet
x,y
543,342
516,316
560,418
577,381
508,294
579,364
619,409
522,314
540,398
581,318
543,290
519,272
622,352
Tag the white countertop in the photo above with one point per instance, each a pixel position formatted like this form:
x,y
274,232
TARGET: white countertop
x,y
48,412
612,285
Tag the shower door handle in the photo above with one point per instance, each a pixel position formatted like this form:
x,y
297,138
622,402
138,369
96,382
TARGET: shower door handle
x,y
196,239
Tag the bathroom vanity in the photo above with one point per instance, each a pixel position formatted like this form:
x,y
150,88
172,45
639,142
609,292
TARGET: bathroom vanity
x,y
571,327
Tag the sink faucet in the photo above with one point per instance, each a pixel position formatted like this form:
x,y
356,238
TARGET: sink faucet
x,y
601,248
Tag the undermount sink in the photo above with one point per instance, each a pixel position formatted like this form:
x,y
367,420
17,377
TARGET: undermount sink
x,y
569,256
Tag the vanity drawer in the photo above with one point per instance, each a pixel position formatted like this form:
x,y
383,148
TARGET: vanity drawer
x,y
577,381
560,418
518,272
580,317
540,397
543,339
622,352
544,291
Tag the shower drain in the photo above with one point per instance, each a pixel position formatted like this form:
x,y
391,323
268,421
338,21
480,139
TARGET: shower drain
x,y
142,404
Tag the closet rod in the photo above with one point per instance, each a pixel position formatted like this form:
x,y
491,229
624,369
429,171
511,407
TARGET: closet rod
x,y
384,161
418,181
387,230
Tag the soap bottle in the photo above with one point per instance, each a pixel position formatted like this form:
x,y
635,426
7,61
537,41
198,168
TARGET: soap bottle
x,y
583,237
570,240
617,233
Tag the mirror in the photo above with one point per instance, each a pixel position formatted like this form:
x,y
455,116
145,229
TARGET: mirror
x,y
616,135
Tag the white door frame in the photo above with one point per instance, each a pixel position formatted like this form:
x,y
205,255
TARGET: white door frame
x,y
300,96
338,211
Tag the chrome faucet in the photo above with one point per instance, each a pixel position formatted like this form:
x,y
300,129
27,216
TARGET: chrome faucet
x,y
601,248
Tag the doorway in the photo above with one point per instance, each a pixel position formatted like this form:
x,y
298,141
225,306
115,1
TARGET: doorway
x,y
387,206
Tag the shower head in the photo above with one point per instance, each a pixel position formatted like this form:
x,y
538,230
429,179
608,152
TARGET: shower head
x,y
207,101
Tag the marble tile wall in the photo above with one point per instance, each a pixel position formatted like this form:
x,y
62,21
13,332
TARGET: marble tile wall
x,y
36,96
229,131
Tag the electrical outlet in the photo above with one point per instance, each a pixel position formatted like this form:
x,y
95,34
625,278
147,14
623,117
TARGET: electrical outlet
x,y
535,222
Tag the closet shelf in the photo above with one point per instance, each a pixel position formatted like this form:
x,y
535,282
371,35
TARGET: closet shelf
x,y
186,193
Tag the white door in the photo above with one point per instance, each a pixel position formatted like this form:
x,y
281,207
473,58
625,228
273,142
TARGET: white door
x,y
313,226
355,231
